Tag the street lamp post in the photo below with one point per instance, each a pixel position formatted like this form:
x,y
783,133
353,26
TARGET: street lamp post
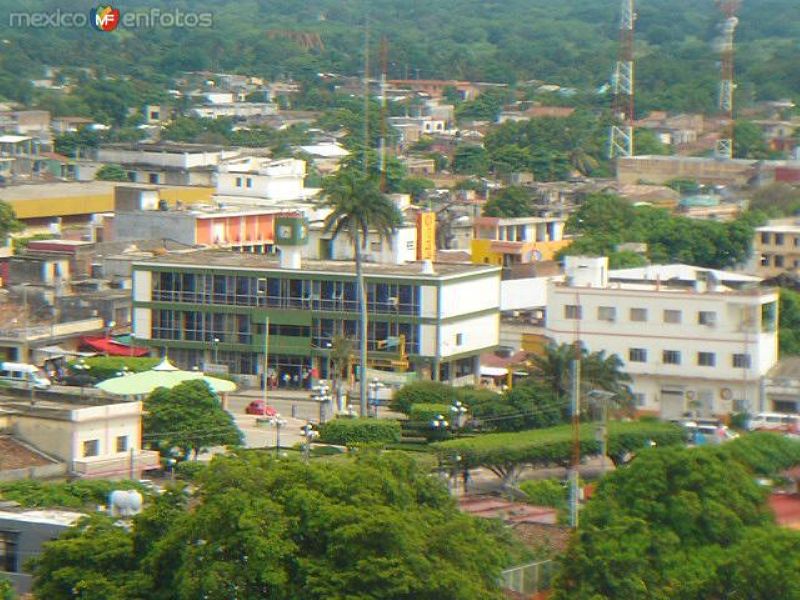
x,y
439,423
459,412
216,350
277,422
374,386
133,343
309,433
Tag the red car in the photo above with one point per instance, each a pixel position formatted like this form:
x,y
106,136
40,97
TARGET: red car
x,y
256,407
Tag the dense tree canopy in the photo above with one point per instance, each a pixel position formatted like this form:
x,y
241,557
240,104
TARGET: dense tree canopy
x,y
188,417
680,523
373,527
605,221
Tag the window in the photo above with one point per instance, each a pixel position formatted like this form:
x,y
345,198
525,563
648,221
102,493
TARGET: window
x,y
672,316
238,182
741,361
768,316
706,317
637,355
639,399
638,314
91,448
606,313
796,241
778,260
765,260
572,311
122,443
249,182
375,246
671,357
459,339
764,237
152,178
410,245
9,561
779,239
706,359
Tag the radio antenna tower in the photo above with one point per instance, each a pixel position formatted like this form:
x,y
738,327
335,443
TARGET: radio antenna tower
x,y
726,83
621,137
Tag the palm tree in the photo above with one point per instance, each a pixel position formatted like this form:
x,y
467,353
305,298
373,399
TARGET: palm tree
x,y
598,371
358,207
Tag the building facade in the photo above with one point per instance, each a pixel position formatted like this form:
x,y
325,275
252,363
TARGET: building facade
x,y
510,241
691,339
439,318
776,248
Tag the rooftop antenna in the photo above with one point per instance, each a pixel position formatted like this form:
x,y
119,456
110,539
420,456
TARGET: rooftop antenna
x,y
382,147
727,86
366,94
622,80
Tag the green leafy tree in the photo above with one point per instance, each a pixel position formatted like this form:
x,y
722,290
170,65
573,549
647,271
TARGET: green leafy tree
x,y
94,560
505,454
416,186
189,417
789,322
471,159
358,207
6,589
111,173
748,141
673,525
509,202
8,221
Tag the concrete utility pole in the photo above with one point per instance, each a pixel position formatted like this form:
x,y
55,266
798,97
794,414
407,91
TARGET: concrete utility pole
x,y
575,409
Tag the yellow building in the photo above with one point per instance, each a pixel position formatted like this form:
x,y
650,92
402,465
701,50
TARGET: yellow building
x,y
507,242
39,204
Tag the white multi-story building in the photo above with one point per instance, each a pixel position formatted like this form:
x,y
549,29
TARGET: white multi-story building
x,y
263,179
691,338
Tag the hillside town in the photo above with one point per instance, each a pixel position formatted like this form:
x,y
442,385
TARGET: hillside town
x,y
373,334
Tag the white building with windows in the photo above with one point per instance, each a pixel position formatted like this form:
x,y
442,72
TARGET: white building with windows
x,y
255,180
691,338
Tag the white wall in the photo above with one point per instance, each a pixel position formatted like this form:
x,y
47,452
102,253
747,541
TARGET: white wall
x,y
464,297
142,323
522,294
142,286
429,301
476,333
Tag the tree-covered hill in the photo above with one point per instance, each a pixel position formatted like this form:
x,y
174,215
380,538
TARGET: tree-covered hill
x,y
570,43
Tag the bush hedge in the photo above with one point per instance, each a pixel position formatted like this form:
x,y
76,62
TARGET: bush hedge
x,y
347,432
423,392
76,494
106,367
546,492
424,413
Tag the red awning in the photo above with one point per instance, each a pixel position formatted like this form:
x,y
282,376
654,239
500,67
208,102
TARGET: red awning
x,y
112,348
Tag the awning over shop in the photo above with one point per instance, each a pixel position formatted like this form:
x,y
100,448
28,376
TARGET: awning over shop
x,y
493,371
112,347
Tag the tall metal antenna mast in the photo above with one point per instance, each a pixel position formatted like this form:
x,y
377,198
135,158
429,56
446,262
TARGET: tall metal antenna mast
x,y
621,137
727,86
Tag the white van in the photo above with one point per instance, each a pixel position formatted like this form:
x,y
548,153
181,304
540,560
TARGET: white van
x,y
774,421
23,375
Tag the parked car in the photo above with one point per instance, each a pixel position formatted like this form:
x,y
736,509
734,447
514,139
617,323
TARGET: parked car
x,y
256,407
775,422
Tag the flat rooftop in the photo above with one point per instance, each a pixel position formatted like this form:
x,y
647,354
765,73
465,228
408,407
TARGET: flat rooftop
x,y
238,261
67,518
